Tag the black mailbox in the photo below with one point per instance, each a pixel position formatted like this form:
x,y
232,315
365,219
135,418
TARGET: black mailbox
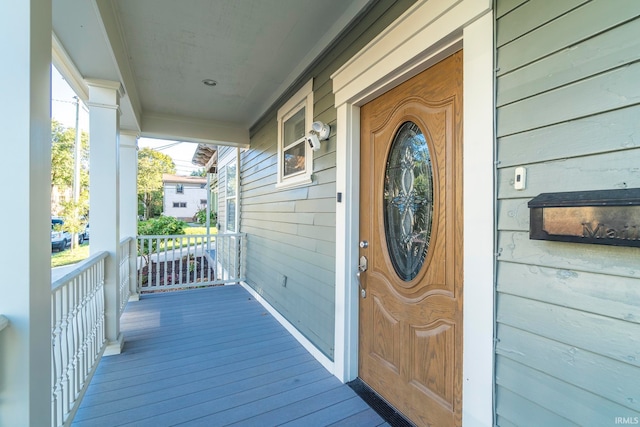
x,y
603,217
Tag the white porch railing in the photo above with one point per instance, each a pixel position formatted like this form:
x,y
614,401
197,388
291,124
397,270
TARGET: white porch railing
x,y
185,261
78,300
77,335
125,276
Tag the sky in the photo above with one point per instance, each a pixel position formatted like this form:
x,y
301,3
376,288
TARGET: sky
x,y
63,109
180,152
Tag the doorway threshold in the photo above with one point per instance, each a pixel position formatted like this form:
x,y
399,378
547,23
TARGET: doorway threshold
x,y
378,404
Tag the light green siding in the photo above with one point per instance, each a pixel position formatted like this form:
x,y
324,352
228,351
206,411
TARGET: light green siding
x,y
568,109
291,232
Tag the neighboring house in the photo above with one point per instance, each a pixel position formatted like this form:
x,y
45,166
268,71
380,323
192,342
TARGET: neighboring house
x,y
183,196
400,251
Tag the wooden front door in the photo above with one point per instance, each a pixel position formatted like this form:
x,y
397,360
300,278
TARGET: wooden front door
x,y
410,344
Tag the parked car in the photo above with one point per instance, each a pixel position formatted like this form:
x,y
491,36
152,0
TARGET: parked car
x,y
85,234
59,238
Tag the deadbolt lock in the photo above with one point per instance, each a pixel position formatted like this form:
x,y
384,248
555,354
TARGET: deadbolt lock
x,y
364,264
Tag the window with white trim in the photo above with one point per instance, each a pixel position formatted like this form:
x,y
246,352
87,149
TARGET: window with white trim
x,y
231,197
295,156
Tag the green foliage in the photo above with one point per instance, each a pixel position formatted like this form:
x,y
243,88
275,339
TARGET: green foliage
x,y
153,207
199,172
164,225
151,165
201,216
62,157
75,215
62,142
62,153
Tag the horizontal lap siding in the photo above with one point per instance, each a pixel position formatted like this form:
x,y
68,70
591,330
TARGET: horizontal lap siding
x,y
291,232
568,109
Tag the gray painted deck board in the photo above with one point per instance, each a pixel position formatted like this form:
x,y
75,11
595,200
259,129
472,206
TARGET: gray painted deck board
x,y
214,357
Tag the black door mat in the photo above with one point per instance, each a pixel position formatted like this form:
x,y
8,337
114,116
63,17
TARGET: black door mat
x,y
378,404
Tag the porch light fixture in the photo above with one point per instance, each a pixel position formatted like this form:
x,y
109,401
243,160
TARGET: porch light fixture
x,y
319,132
210,82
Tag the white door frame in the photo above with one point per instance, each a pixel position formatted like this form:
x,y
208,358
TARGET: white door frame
x,y
425,34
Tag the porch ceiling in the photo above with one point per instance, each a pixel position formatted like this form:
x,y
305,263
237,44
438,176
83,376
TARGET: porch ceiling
x,y
162,50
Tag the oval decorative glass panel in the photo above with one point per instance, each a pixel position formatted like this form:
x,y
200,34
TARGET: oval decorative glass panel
x,y
408,201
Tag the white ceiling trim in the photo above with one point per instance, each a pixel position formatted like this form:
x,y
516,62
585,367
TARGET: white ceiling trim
x,y
165,126
354,9
113,35
63,63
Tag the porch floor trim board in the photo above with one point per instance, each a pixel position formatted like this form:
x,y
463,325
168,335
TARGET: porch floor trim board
x,y
214,357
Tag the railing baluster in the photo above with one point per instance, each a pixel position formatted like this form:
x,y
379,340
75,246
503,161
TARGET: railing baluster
x,y
77,334
174,275
227,247
236,256
56,353
148,262
201,257
83,330
124,290
217,249
157,256
179,265
73,362
229,254
166,259
224,241
190,266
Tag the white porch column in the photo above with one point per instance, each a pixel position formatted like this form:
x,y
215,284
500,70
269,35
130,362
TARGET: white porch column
x,y
129,201
104,207
25,287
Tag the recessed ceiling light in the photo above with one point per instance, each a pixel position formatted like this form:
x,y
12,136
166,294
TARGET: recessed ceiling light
x,y
210,82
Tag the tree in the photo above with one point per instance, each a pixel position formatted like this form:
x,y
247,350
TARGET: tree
x,y
75,216
62,145
151,165
201,216
165,226
199,172
62,142
62,170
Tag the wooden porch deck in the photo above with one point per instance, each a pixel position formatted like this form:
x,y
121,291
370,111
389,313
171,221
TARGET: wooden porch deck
x,y
214,357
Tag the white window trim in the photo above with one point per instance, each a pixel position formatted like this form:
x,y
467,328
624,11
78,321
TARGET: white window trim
x,y
234,163
302,98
